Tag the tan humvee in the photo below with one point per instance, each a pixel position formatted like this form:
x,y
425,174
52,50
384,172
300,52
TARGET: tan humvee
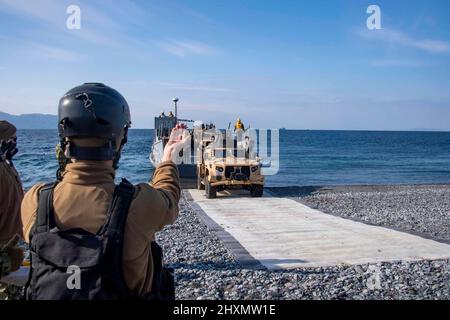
x,y
221,166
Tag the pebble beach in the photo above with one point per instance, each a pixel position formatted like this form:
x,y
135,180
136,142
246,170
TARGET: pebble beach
x,y
206,269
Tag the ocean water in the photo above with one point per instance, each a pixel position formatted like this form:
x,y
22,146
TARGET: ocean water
x,y
307,158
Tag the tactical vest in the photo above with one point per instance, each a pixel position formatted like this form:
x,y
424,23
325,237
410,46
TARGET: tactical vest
x,y
78,265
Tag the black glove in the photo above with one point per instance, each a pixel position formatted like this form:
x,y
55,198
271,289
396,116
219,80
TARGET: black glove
x,y
8,149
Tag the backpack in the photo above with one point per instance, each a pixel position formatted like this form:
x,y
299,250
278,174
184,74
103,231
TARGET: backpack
x,y
78,265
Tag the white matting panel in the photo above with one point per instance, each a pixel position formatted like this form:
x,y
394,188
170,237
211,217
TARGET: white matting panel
x,y
282,233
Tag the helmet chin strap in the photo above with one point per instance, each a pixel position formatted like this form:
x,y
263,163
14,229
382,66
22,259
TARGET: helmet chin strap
x,y
62,159
118,153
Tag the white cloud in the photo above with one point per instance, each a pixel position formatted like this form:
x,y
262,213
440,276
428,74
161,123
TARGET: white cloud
x,y
36,49
57,53
396,63
190,87
436,46
396,37
188,48
43,9
53,13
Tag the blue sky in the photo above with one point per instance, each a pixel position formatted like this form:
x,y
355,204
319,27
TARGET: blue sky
x,y
294,64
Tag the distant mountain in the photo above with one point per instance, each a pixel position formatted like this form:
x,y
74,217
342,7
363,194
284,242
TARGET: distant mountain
x,y
31,121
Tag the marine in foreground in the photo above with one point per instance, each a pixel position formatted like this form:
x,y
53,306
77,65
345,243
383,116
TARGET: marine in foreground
x,y
90,238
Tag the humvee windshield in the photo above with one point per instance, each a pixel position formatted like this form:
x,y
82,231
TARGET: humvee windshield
x,y
230,153
237,153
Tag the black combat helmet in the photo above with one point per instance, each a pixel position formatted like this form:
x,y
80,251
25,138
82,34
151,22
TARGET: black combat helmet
x,y
94,110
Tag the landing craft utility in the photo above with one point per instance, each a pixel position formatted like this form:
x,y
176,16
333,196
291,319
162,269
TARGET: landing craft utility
x,y
163,127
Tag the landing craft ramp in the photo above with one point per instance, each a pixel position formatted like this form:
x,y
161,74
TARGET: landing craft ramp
x,y
281,233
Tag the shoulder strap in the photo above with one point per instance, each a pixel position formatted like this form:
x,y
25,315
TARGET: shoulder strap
x,y
45,217
118,210
113,231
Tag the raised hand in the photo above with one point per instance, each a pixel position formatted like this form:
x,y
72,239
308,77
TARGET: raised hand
x,y
178,138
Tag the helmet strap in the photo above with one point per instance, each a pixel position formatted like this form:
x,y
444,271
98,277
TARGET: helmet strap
x,y
106,152
62,160
119,150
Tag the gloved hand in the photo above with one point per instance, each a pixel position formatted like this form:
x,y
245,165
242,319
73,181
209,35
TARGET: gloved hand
x,y
8,149
15,253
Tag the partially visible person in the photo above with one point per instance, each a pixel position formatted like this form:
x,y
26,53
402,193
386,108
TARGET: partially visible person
x,y
239,125
11,195
11,257
11,192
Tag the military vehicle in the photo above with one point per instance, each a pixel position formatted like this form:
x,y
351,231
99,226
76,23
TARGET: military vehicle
x,y
228,163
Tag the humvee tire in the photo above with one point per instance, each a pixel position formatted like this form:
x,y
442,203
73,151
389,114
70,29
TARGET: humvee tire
x,y
256,190
200,185
210,191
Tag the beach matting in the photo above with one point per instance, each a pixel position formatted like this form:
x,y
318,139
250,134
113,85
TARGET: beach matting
x,y
280,233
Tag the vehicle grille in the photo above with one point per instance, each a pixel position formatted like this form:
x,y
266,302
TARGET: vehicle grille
x,y
238,173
